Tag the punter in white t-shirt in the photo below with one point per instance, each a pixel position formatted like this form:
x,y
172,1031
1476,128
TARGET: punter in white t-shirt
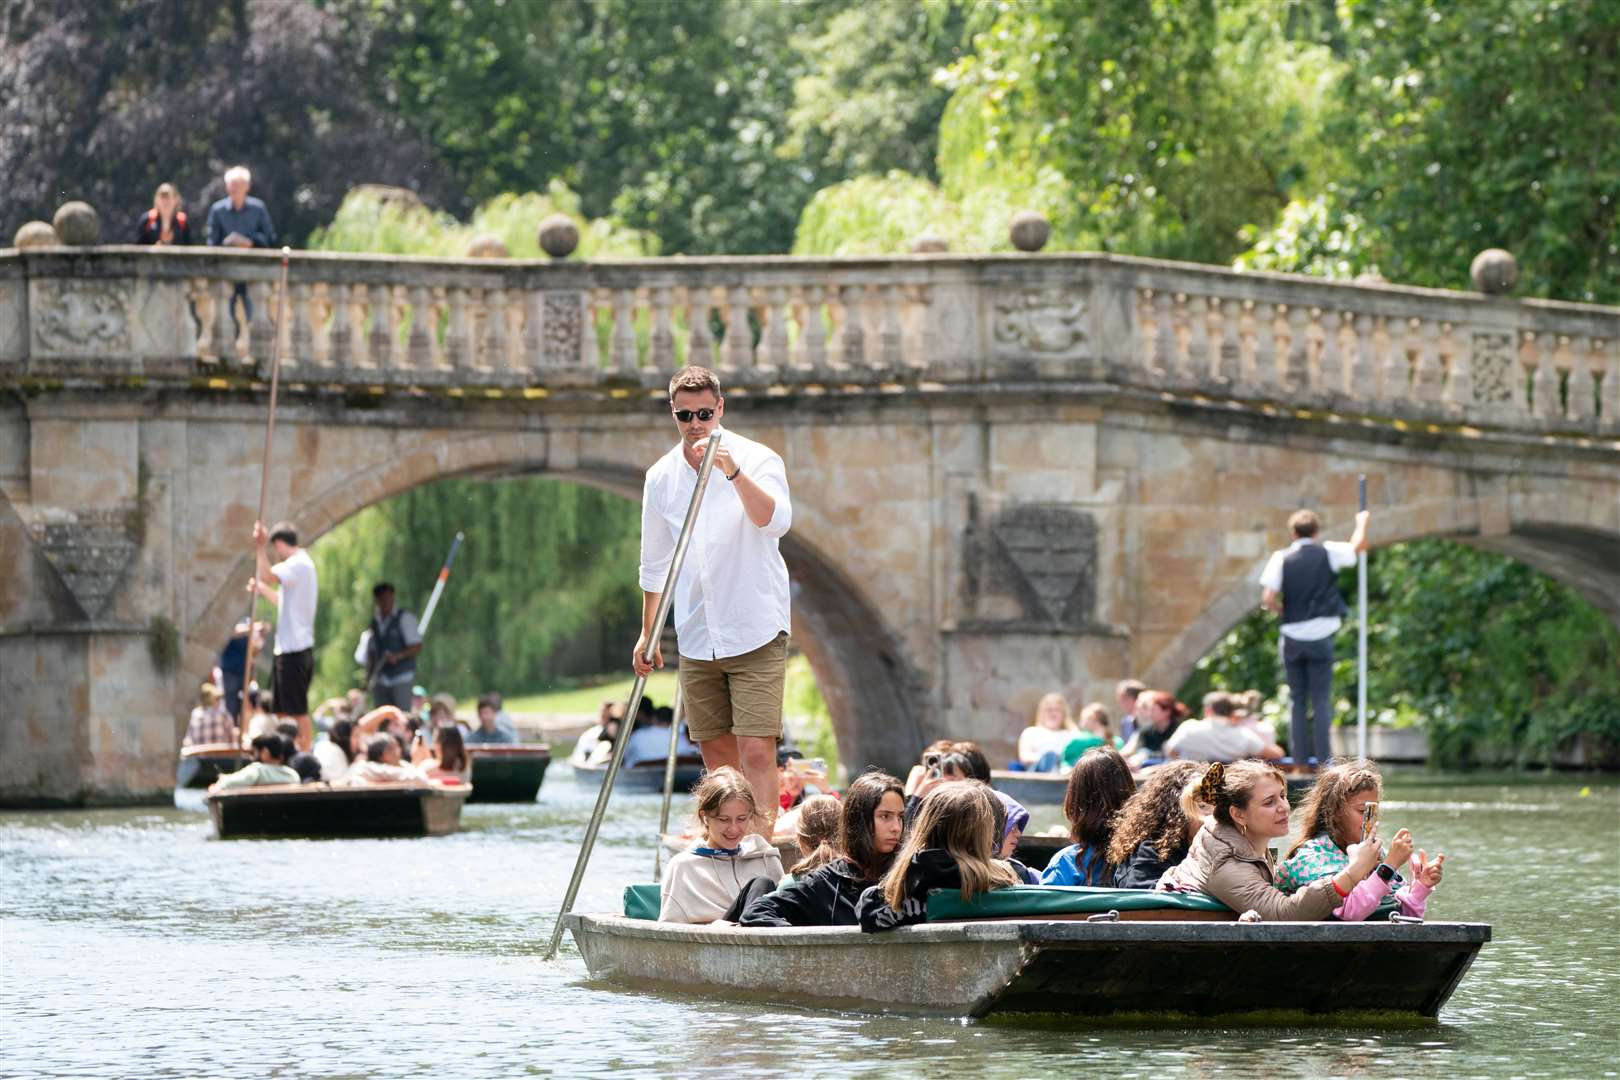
x,y
290,585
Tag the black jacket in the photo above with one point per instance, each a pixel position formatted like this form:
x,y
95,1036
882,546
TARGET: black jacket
x,y
930,869
149,229
1144,868
824,897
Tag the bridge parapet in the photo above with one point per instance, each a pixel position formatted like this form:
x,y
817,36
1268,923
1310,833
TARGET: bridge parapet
x,y
1272,340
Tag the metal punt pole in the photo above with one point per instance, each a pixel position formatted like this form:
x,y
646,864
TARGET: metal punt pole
x,y
1361,637
669,783
665,599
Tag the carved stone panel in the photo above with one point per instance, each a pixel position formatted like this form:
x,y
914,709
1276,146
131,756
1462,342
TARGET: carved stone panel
x,y
1047,557
1495,369
81,317
1040,323
562,326
90,553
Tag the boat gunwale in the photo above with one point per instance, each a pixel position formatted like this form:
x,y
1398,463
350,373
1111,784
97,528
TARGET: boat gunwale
x,y
509,750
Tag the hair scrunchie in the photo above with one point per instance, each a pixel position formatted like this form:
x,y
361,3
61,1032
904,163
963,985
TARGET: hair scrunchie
x,y
1210,786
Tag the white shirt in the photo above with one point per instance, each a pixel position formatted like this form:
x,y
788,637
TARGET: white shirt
x,y
334,762
1340,556
295,626
732,595
1035,741
1214,740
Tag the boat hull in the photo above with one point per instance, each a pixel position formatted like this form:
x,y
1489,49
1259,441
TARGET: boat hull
x,y
649,777
200,766
508,773
319,811
1097,969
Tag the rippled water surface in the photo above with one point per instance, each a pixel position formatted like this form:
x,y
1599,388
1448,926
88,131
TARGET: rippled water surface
x,y
135,945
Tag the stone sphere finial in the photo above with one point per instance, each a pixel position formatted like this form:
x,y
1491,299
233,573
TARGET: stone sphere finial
x,y
35,234
77,223
559,236
1494,271
1030,230
929,243
487,246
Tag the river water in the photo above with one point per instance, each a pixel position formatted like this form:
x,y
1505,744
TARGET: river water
x,y
133,945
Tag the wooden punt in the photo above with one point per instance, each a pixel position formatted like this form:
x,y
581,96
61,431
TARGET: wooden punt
x,y
1046,789
1126,968
321,811
647,776
507,773
201,765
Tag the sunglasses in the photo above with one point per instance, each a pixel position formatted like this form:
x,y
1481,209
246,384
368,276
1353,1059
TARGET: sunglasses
x,y
685,415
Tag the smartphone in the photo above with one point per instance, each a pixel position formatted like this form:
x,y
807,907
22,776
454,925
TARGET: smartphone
x,y
1369,818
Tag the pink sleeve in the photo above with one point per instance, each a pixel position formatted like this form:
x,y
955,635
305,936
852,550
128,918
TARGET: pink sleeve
x,y
1363,899
1413,898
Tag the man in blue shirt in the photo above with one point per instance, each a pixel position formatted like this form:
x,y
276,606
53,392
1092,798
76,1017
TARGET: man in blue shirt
x,y
239,220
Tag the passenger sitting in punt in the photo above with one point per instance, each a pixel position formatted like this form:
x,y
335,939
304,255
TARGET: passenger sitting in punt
x,y
335,752
871,822
490,731
269,766
1222,735
1099,785
1158,714
210,722
951,845
1051,729
383,764
1331,822
1230,858
704,885
445,762
1095,730
816,836
1156,826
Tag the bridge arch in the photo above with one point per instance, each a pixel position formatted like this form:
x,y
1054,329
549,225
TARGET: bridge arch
x,y
1554,532
860,664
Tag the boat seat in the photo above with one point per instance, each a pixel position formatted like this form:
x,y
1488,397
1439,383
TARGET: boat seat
x,y
642,901
1075,902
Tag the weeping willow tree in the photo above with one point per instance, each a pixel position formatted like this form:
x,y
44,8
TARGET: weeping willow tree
x,y
544,587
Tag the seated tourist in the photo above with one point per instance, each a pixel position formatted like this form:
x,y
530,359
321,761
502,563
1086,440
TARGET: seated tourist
x,y
1094,732
606,729
383,764
1011,821
1158,714
871,822
1099,785
704,885
1050,730
951,845
1156,826
489,732
446,761
1219,736
649,739
928,766
269,766
1230,858
1125,695
262,720
210,724
815,835
307,766
335,751
1331,821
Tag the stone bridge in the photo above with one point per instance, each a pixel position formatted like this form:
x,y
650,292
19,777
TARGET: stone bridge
x,y
1011,474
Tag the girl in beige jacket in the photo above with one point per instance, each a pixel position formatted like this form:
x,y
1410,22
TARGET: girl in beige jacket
x,y
1230,858
702,885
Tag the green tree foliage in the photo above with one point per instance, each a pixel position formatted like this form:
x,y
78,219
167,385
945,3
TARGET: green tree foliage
x,y
1500,663
1493,123
544,586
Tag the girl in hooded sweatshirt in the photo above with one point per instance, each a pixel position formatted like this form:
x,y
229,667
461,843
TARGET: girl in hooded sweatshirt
x,y
1230,858
952,845
702,885
872,822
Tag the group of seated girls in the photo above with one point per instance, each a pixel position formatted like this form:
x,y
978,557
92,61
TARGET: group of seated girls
x,y
1191,828
1054,740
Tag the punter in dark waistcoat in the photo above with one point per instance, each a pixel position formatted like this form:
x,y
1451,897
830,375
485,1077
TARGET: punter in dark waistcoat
x,y
388,650
1301,583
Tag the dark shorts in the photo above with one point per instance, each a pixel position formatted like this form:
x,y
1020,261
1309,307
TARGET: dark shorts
x,y
289,683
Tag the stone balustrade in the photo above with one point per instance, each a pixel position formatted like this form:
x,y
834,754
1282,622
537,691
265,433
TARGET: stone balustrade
x,y
1275,340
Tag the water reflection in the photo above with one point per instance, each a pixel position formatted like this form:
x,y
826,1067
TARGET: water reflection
x,y
133,944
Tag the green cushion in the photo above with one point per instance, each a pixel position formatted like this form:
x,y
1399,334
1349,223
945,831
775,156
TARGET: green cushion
x,y
1038,900
641,902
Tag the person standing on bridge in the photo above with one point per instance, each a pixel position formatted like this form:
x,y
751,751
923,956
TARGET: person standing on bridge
x,y
290,585
388,650
1301,583
731,600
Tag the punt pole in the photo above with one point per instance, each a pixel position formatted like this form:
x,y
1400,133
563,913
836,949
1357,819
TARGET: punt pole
x,y
666,598
264,481
669,783
1361,636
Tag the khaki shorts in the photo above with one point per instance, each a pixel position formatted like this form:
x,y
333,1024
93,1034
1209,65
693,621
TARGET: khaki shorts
x,y
736,695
